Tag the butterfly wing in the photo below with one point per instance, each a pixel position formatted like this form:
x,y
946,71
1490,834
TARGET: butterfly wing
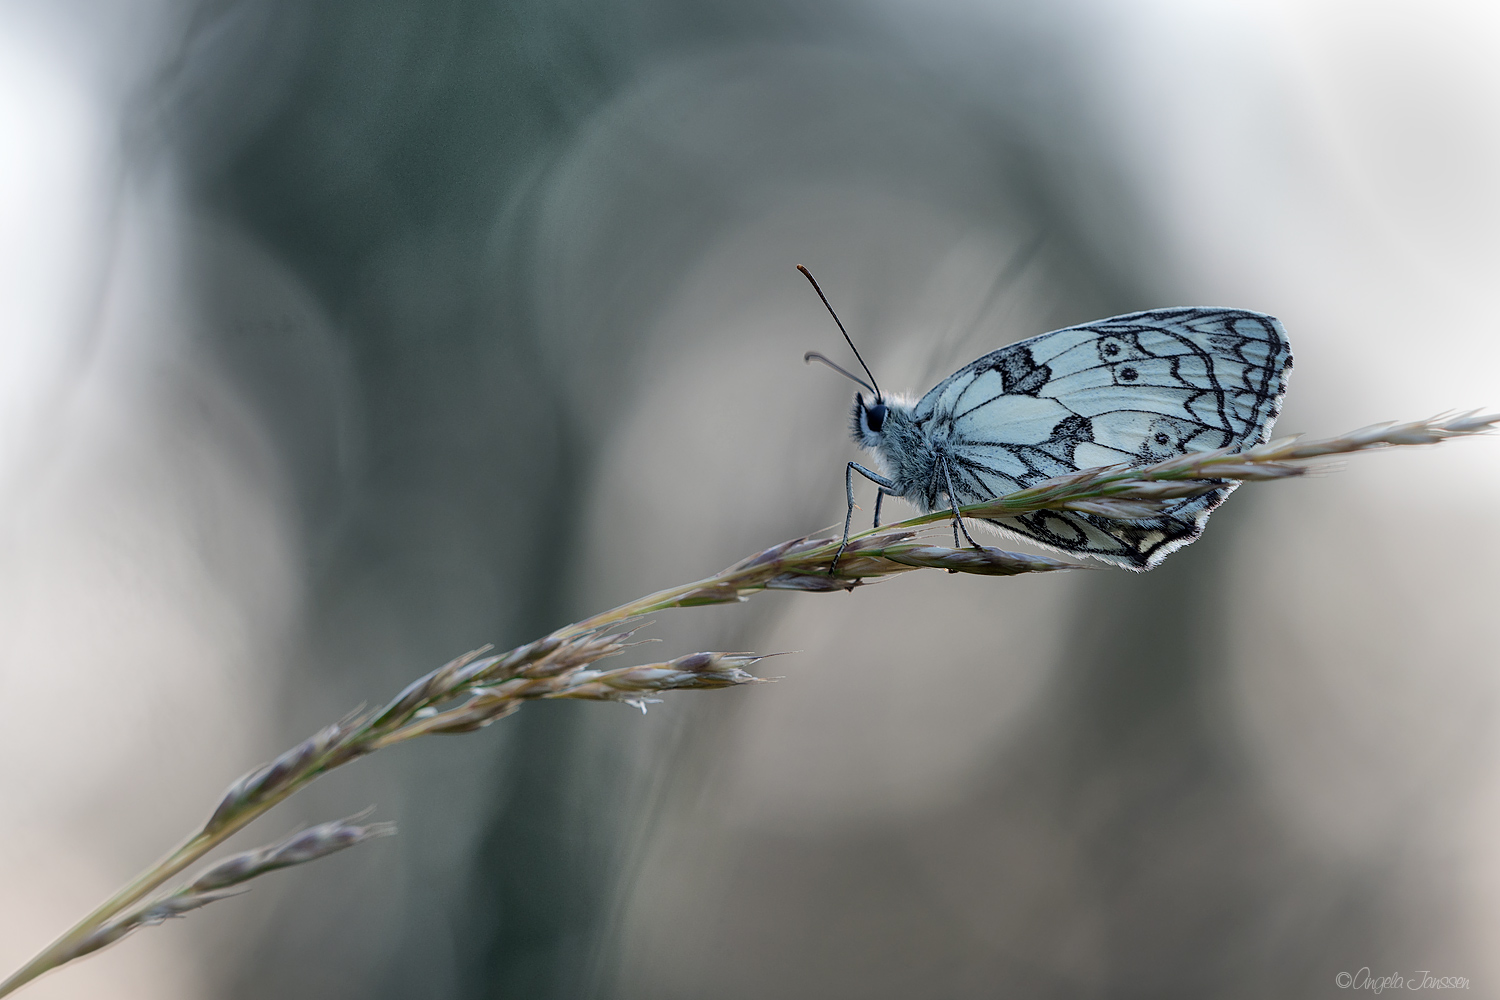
x,y
1135,389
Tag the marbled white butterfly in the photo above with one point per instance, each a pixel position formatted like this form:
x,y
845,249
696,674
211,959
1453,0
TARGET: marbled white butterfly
x,y
1134,389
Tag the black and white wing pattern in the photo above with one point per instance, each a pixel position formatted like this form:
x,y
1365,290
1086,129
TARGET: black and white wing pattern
x,y
1136,389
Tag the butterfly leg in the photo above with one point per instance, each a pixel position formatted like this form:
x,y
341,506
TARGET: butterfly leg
x,y
881,495
873,477
958,522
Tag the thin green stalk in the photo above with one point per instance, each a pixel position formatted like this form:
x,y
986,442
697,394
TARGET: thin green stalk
x,y
66,948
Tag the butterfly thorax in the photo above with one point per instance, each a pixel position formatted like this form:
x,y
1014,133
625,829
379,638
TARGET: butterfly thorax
x,y
907,453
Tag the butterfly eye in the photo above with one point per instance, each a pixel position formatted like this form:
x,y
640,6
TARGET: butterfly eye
x,y
875,417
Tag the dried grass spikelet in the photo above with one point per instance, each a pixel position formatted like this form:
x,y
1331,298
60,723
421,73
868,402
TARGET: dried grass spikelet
x,y
214,882
474,690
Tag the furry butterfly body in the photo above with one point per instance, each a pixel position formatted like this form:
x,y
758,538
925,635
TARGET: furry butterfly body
x,y
1131,390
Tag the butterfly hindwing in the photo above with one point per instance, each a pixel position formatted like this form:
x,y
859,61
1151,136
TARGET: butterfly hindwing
x,y
1132,389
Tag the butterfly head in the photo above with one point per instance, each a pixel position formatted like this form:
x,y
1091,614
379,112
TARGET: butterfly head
x,y
869,420
876,423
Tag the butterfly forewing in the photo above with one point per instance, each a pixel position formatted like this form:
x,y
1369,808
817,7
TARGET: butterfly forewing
x,y
1133,389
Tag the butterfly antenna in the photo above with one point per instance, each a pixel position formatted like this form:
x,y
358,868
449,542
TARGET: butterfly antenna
x,y
873,386
815,356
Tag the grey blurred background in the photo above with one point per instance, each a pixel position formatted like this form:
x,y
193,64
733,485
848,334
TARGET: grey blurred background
x,y
340,338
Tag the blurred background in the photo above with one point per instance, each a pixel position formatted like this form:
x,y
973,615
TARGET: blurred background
x,y
337,339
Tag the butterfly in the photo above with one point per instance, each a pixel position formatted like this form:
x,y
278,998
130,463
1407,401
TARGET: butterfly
x,y
1129,390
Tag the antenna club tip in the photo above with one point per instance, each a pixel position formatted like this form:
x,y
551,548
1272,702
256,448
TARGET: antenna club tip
x,y
808,357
